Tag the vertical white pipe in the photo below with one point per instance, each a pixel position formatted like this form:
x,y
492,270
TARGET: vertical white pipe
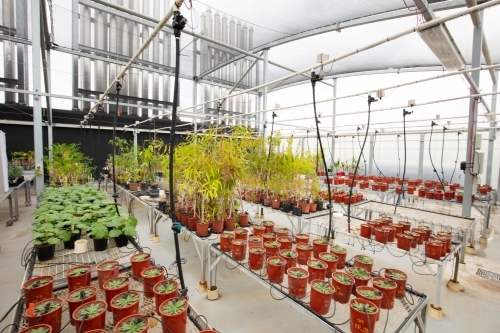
x,y
86,61
9,53
166,58
134,77
224,37
146,57
250,46
232,42
125,50
217,26
112,48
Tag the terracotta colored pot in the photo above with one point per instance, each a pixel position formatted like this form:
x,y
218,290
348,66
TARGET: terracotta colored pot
x,y
320,301
406,225
229,224
162,297
256,256
257,199
72,304
433,249
387,302
342,290
453,187
427,231
415,236
184,219
384,187
301,238
258,230
382,235
358,281
192,223
238,249
275,272
401,283
340,254
241,233
297,286
202,229
139,266
362,322
449,195
282,232
319,246
110,293
331,260
404,241
290,257
429,194
421,192
421,235
447,239
105,273
269,237
313,207
130,319
217,226
254,241
411,189
377,301
276,204
31,328
304,252
78,281
286,243
35,294
149,282
438,195
272,248
175,323
346,200
268,201
52,318
365,231
225,241
460,198
398,229
358,263
392,233
316,273
269,226
94,323
122,312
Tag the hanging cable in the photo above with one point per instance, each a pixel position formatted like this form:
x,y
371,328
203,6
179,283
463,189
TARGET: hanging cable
x,y
362,153
442,153
370,101
399,159
270,146
315,78
374,159
456,158
115,120
430,156
402,191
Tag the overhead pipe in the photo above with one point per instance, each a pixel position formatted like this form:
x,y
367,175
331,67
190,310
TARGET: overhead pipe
x,y
217,27
112,48
9,52
134,77
101,43
125,40
225,40
85,62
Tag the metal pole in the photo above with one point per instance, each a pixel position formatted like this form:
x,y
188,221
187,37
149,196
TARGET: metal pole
x,y
470,179
372,152
492,135
264,99
334,117
37,86
75,8
421,156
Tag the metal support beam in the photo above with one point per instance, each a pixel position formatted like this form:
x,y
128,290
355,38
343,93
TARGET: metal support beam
x,y
491,135
372,153
264,97
421,157
45,51
22,50
75,9
334,117
470,179
37,86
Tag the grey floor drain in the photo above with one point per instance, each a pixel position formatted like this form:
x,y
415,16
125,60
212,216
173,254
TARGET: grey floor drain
x,y
488,275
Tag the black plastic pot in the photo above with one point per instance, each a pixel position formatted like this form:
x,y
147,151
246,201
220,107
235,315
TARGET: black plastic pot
x,y
319,206
46,252
71,243
100,244
286,207
127,186
121,240
144,186
154,193
154,187
297,211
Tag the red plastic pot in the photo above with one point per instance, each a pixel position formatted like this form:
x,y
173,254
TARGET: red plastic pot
x,y
184,219
446,243
362,322
229,224
384,187
382,235
161,297
217,226
304,252
192,221
316,273
342,290
269,237
268,201
341,253
104,273
449,195
297,286
269,226
398,229
313,207
305,208
429,194
112,292
238,249
427,231
35,294
149,282
320,301
225,241
202,229
276,204
52,318
31,328
392,233
404,241
387,302
290,257
73,305
438,195
460,198
365,231
272,248
421,235
254,241
357,263
258,230
256,256
139,265
243,220
78,281
130,319
406,225
285,242
240,233
401,283
122,312
358,281
176,323
433,249
275,272
447,236
421,192
377,301
282,232
331,260
301,238
319,246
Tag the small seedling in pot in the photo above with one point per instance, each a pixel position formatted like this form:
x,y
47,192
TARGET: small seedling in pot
x,y
359,273
141,257
81,294
115,283
46,307
277,262
78,271
91,310
323,287
153,272
370,293
339,249
328,256
363,307
165,287
39,330
395,275
289,254
364,259
342,278
385,283
38,283
135,325
125,300
316,264
296,273
174,306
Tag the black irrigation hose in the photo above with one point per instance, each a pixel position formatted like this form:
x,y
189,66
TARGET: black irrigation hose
x,y
456,158
270,146
430,156
115,119
402,190
442,154
374,159
399,159
362,153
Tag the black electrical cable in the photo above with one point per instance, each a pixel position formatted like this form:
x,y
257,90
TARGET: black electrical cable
x,y
456,159
374,159
115,120
270,146
430,156
370,101
362,153
402,191
442,153
399,158
314,79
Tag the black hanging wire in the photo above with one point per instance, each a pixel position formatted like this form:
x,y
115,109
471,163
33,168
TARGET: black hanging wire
x,y
179,22
270,145
115,120
399,158
315,78
374,159
442,154
362,154
402,191
370,101
430,156
456,158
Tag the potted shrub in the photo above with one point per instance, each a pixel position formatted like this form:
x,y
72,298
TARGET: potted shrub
x,y
132,324
341,253
15,174
256,257
150,277
238,249
90,316
343,284
363,261
272,248
78,297
400,278
304,251
297,281
331,260
99,233
47,312
79,276
361,277
319,246
202,228
140,261
258,230
285,242
173,314
241,233
301,238
275,269
225,241
114,287
164,290
46,237
254,241
290,257
269,226
38,289
370,294
41,328
316,269
387,287
121,228
363,315
321,296
106,270
124,305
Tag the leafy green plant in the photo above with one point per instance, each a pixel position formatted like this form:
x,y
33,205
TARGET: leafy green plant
x,y
385,283
126,299
241,231
339,249
78,271
108,266
364,259
166,287
152,272
370,293
39,330
328,256
15,172
268,223
68,165
276,262
45,234
132,326
174,306
343,278
289,254
316,264
304,246
141,257
77,296
38,283
395,275
46,307
257,250
359,273
115,283
91,310
363,307
323,287
297,273
272,244
321,241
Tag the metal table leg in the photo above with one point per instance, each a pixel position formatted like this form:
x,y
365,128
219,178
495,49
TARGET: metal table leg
x,y
16,204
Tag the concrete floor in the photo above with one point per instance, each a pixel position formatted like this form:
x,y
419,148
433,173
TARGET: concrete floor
x,y
246,306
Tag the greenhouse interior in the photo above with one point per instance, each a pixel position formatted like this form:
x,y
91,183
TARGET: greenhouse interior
x,y
249,166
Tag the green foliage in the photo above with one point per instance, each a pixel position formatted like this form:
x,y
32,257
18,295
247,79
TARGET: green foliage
x,y
328,256
370,293
77,296
339,249
363,307
395,275
46,307
141,257
272,244
152,272
115,283
108,266
364,259
296,273
15,172
385,283
174,306
91,310
343,278
256,250
78,271
126,299
68,165
38,283
277,262
323,287
316,264
359,273
132,326
166,287
39,330
289,254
